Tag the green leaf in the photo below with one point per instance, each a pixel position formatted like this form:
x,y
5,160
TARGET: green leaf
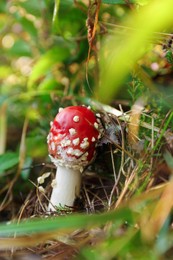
x,y
48,84
44,64
26,168
3,6
68,16
8,160
63,223
33,7
5,71
36,146
113,246
28,26
20,48
169,57
3,21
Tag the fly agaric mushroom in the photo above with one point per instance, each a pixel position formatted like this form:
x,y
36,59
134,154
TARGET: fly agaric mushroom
x,y
71,143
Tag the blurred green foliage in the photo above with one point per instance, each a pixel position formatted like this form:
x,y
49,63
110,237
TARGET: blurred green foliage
x,y
120,54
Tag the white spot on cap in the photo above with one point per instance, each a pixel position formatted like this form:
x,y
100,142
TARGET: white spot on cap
x,y
76,119
70,151
76,141
84,160
72,131
96,125
61,136
53,146
77,152
50,136
60,109
84,143
54,128
51,123
65,142
93,139
84,157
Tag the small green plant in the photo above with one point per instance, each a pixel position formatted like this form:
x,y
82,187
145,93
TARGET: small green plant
x,y
136,89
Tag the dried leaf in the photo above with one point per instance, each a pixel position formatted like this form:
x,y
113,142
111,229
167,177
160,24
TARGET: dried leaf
x,y
92,20
160,214
134,124
3,127
111,135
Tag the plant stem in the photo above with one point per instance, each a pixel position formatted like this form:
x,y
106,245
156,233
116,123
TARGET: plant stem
x,y
66,189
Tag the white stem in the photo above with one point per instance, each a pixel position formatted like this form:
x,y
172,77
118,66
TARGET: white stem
x,y
66,189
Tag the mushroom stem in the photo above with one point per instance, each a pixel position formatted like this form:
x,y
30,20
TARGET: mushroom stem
x,y
66,188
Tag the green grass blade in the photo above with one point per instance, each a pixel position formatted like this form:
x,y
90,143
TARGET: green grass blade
x,y
3,127
119,54
64,223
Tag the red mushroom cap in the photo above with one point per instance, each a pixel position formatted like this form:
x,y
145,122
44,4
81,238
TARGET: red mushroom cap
x,y
73,136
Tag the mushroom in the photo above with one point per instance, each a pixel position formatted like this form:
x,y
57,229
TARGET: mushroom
x,y
71,143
